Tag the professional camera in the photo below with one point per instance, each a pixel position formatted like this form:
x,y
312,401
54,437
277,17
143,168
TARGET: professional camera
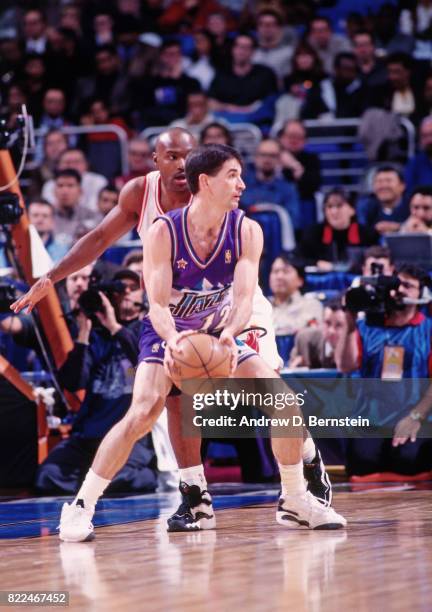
x,y
10,208
376,296
90,302
7,297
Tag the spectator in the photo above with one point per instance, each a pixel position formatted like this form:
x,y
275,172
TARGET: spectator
x,y
34,30
341,96
424,108
291,310
314,347
245,87
327,44
387,38
163,99
398,94
91,182
102,361
99,114
216,133
11,59
108,83
53,117
272,50
197,116
35,84
398,348
202,68
103,26
75,285
372,70
134,261
265,183
140,161
299,165
69,215
54,106
41,215
377,255
418,170
127,29
107,200
306,72
420,219
54,144
385,209
217,25
327,244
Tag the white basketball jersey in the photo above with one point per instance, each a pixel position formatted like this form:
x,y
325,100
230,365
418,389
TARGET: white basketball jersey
x,y
151,206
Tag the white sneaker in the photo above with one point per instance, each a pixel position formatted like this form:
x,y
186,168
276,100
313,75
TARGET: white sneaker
x,y
75,523
306,511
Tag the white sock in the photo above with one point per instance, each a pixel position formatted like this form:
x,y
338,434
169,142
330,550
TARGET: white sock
x,y
91,489
292,480
309,450
194,476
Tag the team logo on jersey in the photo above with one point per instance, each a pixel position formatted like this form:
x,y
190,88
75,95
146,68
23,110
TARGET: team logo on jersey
x,y
181,264
155,347
228,256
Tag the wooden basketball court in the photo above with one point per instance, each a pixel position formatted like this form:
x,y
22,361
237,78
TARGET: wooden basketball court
x,y
382,561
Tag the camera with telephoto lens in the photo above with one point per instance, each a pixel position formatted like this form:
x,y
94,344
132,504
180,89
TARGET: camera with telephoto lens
x,y
90,302
7,297
376,296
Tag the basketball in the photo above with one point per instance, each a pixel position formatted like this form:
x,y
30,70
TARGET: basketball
x,y
202,356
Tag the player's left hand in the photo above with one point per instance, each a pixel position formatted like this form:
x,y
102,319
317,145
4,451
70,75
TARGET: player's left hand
x,y
227,339
406,429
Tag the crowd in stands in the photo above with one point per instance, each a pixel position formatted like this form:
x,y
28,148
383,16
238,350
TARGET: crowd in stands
x,y
212,66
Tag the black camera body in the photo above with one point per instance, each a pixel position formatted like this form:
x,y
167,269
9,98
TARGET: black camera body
x,y
90,302
7,297
374,296
10,208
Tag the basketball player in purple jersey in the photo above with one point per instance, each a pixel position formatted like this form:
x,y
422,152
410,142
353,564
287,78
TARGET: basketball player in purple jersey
x,y
185,267
141,200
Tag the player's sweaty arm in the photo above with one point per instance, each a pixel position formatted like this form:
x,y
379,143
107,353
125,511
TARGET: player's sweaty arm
x,y
158,279
245,277
120,220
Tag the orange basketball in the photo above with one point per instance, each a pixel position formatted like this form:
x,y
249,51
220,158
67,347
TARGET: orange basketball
x,y
202,356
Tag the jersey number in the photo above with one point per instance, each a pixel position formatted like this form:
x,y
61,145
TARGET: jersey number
x,y
209,320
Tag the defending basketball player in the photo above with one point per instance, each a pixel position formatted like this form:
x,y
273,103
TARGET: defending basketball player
x,y
141,200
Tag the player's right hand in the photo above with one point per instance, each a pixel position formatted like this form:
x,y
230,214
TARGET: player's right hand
x,y
173,345
34,295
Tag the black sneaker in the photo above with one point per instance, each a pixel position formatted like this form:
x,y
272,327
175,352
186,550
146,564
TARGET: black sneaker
x,y
318,482
195,512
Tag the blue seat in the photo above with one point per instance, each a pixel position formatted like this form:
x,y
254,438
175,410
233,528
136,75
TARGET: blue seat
x,y
285,345
328,281
105,158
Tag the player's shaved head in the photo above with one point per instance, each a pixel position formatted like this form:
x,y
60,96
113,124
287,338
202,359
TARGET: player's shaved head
x,y
174,138
171,149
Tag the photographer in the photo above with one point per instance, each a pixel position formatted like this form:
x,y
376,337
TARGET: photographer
x,y
393,344
103,362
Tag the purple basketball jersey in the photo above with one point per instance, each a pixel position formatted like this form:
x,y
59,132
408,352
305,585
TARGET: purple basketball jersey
x,y
201,295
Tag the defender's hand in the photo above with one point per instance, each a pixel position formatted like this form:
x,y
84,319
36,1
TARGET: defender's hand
x,y
34,295
227,339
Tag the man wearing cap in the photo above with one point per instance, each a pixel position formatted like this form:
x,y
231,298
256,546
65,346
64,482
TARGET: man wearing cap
x,y
102,362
